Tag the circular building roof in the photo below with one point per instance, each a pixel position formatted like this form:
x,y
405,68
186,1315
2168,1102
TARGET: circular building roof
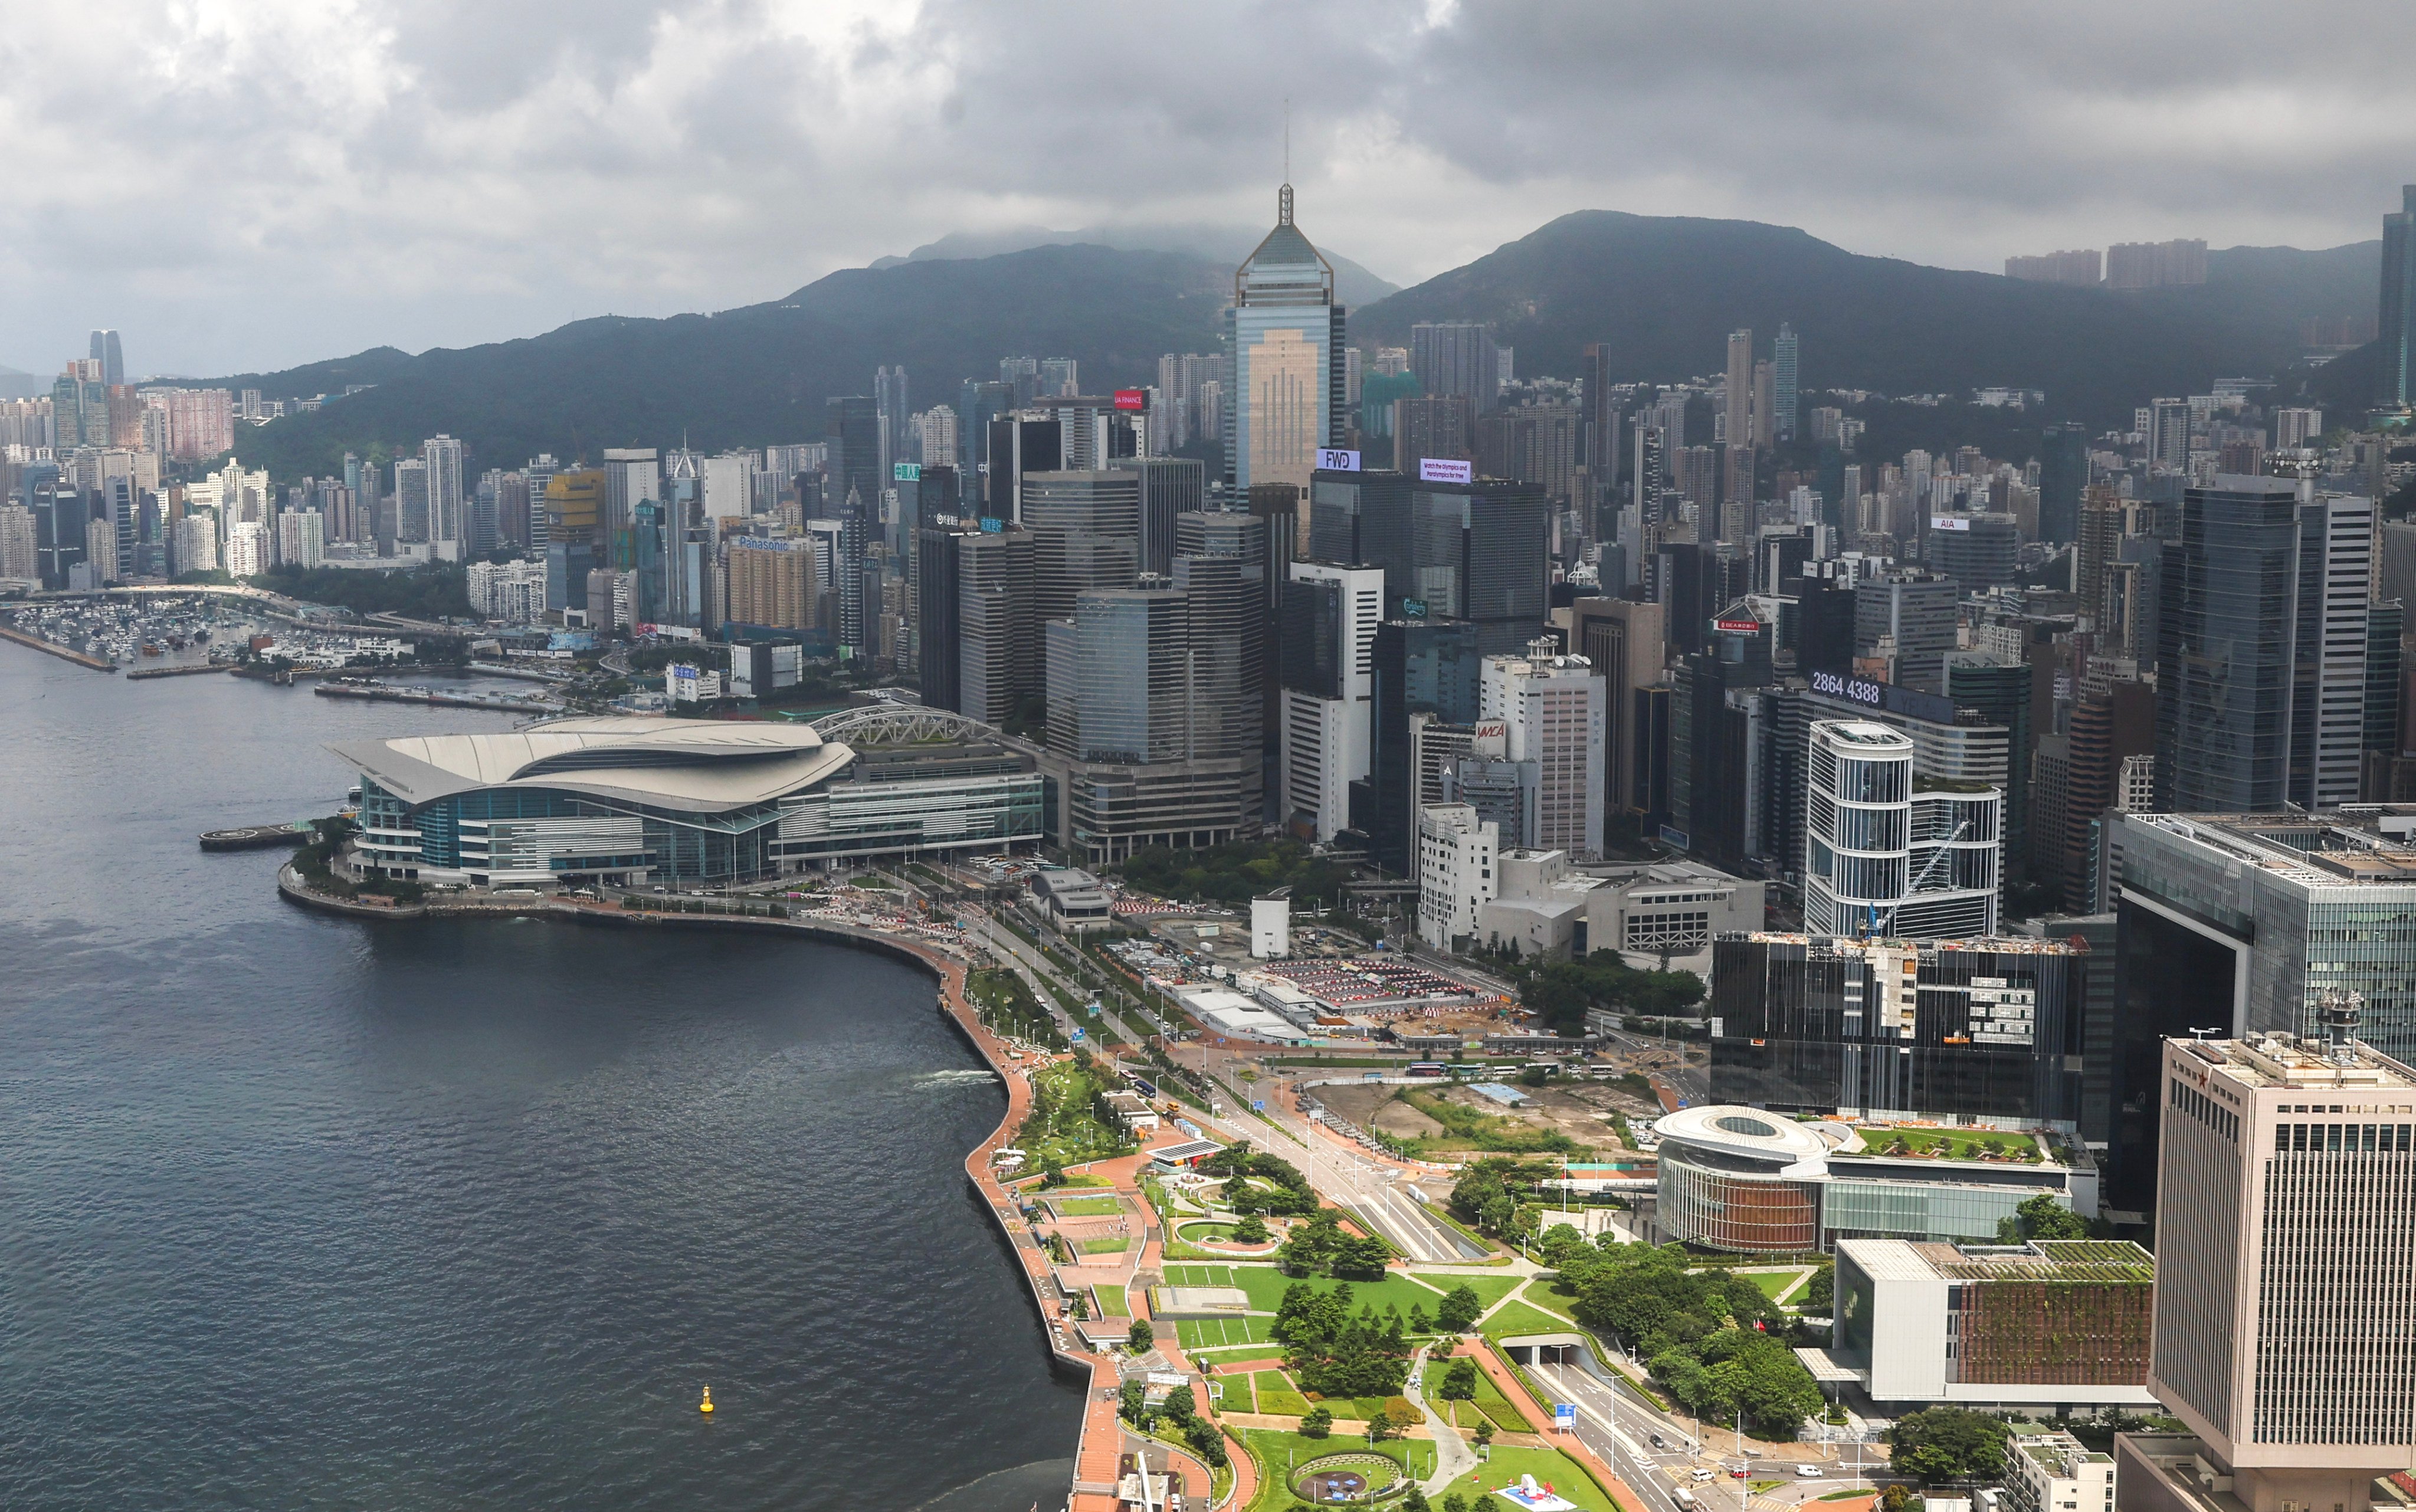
x,y
1751,1134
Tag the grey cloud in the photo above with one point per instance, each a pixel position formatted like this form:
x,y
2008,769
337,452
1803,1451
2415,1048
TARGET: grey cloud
x,y
298,179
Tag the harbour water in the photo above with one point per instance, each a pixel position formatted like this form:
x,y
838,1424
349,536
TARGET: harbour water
x,y
307,1212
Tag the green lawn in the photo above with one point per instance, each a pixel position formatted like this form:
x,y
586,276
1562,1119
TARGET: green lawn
x,y
1266,1286
1276,1394
1775,1284
1211,1333
1506,1464
1518,1317
1111,1300
1489,1402
1236,1394
1954,1144
1109,1246
1488,1289
1551,1297
1278,1452
1086,1208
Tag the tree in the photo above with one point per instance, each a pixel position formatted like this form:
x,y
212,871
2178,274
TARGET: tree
x,y
1252,1230
1140,1336
1178,1407
1206,1441
1484,1434
1897,1498
1949,1444
2042,1218
1318,1423
1460,1381
1418,1324
1459,1309
1382,1427
1414,1499
1820,1293
1453,1502
1132,1401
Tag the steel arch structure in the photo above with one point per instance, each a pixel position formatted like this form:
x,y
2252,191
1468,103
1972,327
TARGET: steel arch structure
x,y
899,724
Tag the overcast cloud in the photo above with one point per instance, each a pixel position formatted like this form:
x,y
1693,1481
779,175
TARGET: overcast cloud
x,y
242,183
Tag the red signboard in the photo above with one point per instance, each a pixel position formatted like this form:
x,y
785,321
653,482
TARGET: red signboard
x,y
1132,398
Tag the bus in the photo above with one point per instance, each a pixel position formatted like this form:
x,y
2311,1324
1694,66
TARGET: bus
x,y
1427,1068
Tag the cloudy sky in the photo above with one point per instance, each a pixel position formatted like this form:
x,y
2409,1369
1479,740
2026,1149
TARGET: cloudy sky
x,y
242,183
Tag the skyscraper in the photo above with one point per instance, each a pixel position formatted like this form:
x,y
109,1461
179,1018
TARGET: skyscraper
x,y
1329,618
1220,566
1422,670
889,402
2328,651
1550,708
1457,357
2224,655
2063,471
448,517
2285,1334
2397,386
1284,336
1883,858
1432,425
1739,390
1782,384
111,357
1479,555
1085,533
1625,642
1170,487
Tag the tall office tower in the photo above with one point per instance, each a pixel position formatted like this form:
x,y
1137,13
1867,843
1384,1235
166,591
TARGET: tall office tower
x,y
1021,374
1738,393
1783,395
999,661
2328,671
512,510
1457,851
1457,357
1095,429
771,583
1085,533
1220,566
1533,443
2063,471
1598,401
891,415
2396,387
1998,688
1979,551
1962,1029
1479,552
1917,609
729,479
934,443
2226,658
448,524
411,512
1058,376
1627,647
1019,444
111,357
481,531
539,473
631,474
2098,534
1328,645
1551,709
1737,513
852,425
1436,426
2110,727
2386,621
977,406
1363,518
1423,671
1882,858
1284,336
1765,402
938,563
1123,732
2284,1333
2168,435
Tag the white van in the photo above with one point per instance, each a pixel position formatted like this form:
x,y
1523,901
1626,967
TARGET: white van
x,y
1808,1472
1702,1474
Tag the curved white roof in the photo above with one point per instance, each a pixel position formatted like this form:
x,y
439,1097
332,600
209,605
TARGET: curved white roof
x,y
701,765
1751,1134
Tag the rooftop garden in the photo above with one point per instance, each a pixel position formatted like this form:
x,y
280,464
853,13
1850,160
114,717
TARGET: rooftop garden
x,y
1996,1146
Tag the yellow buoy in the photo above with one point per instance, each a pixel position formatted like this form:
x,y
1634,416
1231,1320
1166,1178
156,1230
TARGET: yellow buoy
x,y
706,1405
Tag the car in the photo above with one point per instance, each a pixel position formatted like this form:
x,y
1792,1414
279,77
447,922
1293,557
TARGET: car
x,y
1702,1474
1736,1471
1659,1443
1808,1472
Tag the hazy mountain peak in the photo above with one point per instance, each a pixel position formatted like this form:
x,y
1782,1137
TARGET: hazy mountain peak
x,y
1354,284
